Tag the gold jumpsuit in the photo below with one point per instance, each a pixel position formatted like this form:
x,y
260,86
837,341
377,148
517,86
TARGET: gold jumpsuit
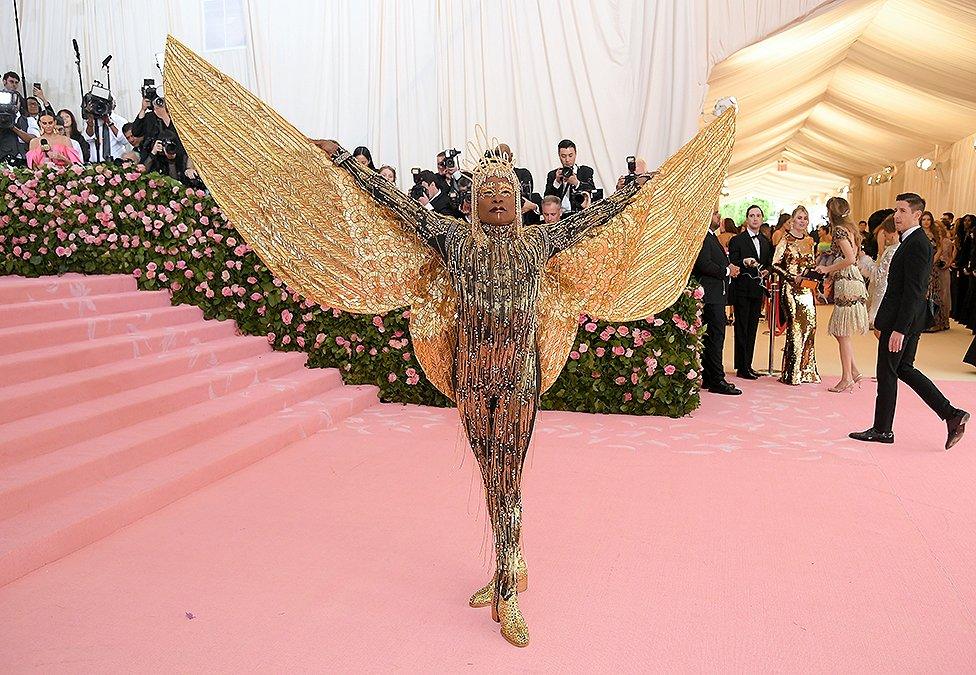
x,y
792,257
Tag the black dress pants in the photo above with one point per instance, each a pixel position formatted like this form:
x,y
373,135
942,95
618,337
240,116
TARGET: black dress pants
x,y
901,366
713,370
747,312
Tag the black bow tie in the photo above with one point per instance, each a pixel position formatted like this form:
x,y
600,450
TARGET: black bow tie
x,y
754,236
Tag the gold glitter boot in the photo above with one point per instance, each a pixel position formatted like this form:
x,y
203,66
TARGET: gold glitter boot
x,y
486,595
508,614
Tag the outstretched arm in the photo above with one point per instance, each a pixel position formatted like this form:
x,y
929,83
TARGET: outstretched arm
x,y
428,225
568,231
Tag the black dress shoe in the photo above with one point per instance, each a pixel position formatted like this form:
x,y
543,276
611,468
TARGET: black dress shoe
x,y
726,388
873,436
957,427
756,373
746,375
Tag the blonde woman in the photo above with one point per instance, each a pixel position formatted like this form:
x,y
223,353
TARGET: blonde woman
x,y
887,237
850,315
794,256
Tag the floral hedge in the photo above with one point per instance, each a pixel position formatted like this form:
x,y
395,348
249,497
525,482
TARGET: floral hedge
x,y
103,219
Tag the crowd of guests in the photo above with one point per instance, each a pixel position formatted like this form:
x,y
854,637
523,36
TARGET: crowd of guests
x,y
38,135
784,270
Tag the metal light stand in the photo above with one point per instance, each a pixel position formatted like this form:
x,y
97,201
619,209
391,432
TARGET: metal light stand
x,y
771,319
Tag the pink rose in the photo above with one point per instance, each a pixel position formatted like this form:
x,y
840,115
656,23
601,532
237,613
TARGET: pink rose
x,y
574,355
669,369
692,374
619,351
391,377
286,316
590,327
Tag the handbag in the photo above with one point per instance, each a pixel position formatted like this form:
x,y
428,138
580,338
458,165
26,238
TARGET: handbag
x,y
931,310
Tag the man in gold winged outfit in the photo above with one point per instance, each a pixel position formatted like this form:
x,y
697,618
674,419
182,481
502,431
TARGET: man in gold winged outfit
x,y
494,303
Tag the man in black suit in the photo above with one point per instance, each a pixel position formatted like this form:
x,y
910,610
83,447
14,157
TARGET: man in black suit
x,y
713,270
901,318
436,196
569,180
752,253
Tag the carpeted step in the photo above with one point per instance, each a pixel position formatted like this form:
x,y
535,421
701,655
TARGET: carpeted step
x,y
23,313
30,336
38,396
16,289
34,364
278,380
36,537
38,434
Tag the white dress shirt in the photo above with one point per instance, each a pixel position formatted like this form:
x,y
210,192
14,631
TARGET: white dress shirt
x,y
118,144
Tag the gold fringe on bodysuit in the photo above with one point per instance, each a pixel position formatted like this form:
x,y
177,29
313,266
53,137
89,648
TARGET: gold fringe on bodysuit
x,y
494,310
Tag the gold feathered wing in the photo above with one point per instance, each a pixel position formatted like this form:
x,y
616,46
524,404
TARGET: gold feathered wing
x,y
307,219
639,261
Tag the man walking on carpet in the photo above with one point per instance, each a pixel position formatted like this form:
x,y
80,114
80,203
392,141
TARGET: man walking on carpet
x,y
901,318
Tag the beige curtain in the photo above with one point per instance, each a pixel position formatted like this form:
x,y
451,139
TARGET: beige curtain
x,y
950,186
406,79
858,85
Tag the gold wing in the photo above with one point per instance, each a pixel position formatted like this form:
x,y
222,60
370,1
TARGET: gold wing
x,y
638,262
308,219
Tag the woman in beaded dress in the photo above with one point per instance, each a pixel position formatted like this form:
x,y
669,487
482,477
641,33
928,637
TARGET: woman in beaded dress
x,y
850,315
495,304
793,256
939,282
887,237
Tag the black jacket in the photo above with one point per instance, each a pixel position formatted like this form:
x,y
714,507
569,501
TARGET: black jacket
x,y
903,307
712,270
443,205
747,285
585,175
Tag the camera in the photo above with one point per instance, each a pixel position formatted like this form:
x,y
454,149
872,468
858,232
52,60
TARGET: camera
x,y
566,172
9,109
449,155
149,90
170,146
97,102
579,197
417,190
631,170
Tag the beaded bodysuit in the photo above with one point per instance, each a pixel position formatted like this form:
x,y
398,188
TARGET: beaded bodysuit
x,y
494,309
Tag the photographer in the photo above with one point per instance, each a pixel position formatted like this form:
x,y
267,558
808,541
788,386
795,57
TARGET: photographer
x,y
431,190
134,141
11,83
570,182
153,120
167,156
37,105
104,134
635,167
14,136
552,210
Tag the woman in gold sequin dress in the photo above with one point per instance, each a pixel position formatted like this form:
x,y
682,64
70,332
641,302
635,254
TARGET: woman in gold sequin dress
x,y
793,256
495,304
850,315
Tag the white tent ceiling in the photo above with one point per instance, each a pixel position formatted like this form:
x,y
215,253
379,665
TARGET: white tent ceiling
x,y
859,85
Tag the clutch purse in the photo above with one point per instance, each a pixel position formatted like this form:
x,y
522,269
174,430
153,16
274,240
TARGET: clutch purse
x,y
811,280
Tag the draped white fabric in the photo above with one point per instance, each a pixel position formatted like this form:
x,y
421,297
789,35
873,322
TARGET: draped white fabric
x,y
619,77
949,186
860,85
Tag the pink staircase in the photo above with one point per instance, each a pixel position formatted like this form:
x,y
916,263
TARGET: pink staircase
x,y
113,403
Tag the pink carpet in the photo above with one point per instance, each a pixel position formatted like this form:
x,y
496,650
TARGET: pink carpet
x,y
751,536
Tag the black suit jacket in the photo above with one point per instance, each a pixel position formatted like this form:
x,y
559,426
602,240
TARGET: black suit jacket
x,y
903,308
746,285
585,175
525,179
712,270
443,205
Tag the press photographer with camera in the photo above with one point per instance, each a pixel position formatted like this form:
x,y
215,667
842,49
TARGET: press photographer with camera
x,y
153,120
167,156
431,190
14,136
635,167
103,127
571,183
11,83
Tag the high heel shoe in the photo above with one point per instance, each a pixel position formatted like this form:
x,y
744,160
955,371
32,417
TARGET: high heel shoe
x,y
838,389
508,614
858,378
485,595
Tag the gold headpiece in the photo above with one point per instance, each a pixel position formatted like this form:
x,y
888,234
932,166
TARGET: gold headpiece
x,y
485,158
